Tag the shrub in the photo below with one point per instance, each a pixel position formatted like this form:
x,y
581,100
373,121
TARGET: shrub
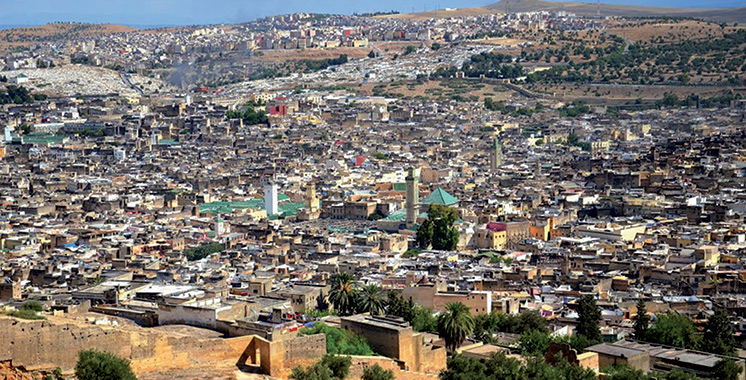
x,y
98,365
340,342
376,372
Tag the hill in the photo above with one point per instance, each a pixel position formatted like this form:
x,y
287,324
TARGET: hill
x,y
16,37
591,9
443,13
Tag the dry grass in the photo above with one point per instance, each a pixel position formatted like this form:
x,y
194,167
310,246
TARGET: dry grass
x,y
27,36
438,89
670,31
281,55
627,92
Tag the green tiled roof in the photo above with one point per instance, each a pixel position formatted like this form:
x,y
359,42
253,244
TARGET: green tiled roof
x,y
40,139
440,197
286,208
400,186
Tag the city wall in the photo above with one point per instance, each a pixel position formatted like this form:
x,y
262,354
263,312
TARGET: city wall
x,y
39,345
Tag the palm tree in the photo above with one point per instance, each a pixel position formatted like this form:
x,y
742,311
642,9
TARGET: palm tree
x,y
455,325
342,293
370,299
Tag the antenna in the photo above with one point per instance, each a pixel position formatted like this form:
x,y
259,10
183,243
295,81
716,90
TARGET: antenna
x,y
598,7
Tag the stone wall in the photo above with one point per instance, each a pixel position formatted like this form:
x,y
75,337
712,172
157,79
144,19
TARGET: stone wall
x,y
359,363
37,345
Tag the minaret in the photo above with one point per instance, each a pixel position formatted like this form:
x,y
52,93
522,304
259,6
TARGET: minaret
x,y
496,156
312,203
413,196
270,197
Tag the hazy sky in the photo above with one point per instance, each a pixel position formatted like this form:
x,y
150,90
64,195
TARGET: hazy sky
x,y
186,12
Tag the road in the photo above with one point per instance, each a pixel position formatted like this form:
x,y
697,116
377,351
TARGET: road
x,y
126,81
379,53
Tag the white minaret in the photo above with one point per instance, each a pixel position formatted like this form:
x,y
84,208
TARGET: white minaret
x,y
270,197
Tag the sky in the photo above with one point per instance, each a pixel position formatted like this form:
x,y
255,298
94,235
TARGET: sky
x,y
142,13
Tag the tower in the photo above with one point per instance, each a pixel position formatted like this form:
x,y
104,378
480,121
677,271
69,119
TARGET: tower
x,y
312,203
270,197
413,195
8,137
496,155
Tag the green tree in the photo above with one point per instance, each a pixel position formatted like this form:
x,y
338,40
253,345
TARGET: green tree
x,y
485,325
455,324
424,320
531,320
372,54
642,321
589,316
445,235
718,335
203,251
534,342
376,372
623,372
338,341
726,369
673,329
316,371
98,365
32,306
370,299
425,234
343,293
338,365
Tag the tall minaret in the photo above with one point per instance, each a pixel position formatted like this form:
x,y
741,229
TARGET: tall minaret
x,y
496,156
312,203
270,197
413,196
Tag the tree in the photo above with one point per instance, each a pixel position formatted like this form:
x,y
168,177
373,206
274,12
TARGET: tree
x,y
338,341
718,336
203,251
343,293
424,320
726,369
499,366
376,372
642,321
455,324
445,235
534,342
321,303
338,365
589,315
316,371
98,365
673,329
425,234
372,54
370,300
531,320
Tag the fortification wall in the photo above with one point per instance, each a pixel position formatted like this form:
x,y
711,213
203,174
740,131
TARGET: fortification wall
x,y
359,363
37,345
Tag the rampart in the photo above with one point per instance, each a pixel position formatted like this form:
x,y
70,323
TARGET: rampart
x,y
40,345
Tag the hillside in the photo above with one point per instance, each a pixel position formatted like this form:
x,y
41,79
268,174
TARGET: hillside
x,y
591,9
26,36
443,13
